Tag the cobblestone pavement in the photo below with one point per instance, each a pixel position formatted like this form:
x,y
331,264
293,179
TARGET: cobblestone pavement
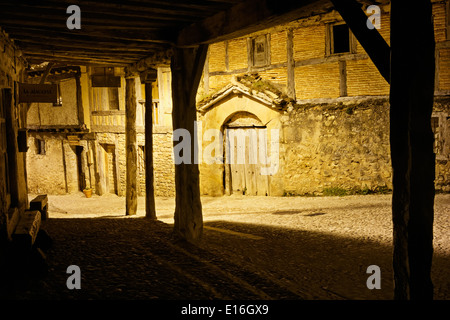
x,y
252,248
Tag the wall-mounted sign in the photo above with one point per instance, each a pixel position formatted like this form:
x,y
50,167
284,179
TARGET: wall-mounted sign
x,y
37,93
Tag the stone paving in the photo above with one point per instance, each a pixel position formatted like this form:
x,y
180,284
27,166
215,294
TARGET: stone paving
x,y
253,248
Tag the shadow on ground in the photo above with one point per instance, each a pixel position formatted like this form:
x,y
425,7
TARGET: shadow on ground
x,y
137,259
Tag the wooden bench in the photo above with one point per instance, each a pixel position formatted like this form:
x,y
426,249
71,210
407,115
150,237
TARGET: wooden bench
x,y
40,203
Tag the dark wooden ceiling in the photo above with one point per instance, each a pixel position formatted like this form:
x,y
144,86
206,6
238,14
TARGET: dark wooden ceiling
x,y
119,32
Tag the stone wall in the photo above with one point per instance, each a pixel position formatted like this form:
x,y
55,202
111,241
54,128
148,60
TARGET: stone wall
x,y
333,144
163,165
441,113
336,145
44,114
56,170
164,170
13,186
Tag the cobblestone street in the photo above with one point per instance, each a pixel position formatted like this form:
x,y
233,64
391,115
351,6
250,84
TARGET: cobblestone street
x,y
253,248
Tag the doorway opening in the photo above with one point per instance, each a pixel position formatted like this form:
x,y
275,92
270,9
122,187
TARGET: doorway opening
x,y
245,147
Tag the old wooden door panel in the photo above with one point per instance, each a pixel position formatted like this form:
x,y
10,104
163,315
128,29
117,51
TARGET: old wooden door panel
x,y
110,169
251,147
242,157
262,180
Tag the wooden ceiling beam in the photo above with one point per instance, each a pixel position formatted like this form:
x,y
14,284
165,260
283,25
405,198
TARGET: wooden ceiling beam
x,y
182,8
92,13
91,44
86,26
119,56
139,36
77,60
86,22
247,17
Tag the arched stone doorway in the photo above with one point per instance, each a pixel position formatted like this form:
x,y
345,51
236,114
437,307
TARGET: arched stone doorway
x,y
245,151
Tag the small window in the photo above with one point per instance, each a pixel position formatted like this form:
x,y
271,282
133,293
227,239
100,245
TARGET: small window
x,y
104,77
40,146
340,39
100,71
259,51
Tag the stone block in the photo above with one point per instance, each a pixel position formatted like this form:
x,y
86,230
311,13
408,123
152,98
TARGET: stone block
x,y
40,203
27,229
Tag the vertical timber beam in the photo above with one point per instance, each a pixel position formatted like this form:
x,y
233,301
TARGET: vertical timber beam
x,y
80,110
411,137
290,64
187,66
148,77
130,146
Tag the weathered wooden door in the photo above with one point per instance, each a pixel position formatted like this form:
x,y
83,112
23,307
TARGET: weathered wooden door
x,y
110,168
244,147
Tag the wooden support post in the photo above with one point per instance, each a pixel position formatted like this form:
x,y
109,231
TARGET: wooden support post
x,y
412,139
130,146
148,77
187,66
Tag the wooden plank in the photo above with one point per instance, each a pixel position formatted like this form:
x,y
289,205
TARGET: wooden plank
x,y
236,163
135,8
227,163
122,36
252,150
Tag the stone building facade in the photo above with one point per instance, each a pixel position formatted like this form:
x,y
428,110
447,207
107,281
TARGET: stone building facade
x,y
307,91
334,124
80,142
